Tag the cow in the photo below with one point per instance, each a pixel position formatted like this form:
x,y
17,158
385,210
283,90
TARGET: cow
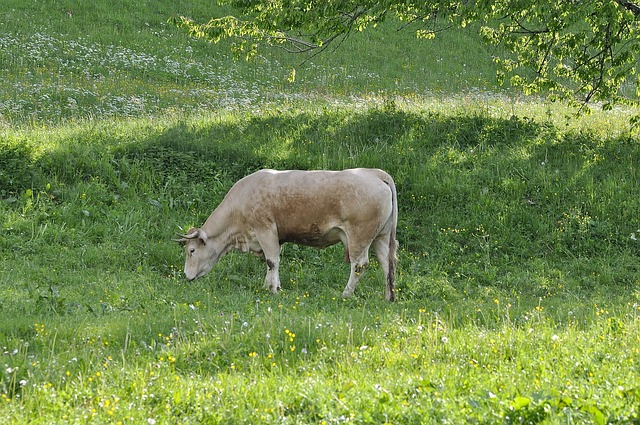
x,y
263,210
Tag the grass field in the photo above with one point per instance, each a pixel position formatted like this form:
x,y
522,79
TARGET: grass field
x,y
519,231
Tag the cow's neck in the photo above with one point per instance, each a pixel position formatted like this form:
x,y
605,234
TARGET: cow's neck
x,y
222,230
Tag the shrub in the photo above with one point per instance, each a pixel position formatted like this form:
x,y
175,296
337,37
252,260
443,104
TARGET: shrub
x,y
16,167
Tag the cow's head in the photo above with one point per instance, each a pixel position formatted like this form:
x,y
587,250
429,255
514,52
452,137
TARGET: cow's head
x,y
201,255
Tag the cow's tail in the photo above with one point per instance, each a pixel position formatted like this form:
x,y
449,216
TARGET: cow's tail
x,y
393,243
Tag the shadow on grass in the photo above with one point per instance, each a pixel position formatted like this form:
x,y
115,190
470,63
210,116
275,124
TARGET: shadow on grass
x,y
512,205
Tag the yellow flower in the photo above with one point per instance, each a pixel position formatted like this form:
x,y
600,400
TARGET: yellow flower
x,y
290,334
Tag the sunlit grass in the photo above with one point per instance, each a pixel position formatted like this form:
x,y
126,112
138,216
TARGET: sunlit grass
x,y
269,363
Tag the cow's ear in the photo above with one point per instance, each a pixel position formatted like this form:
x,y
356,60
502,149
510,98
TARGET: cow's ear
x,y
199,234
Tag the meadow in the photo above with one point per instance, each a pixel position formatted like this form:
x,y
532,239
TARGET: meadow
x,y
519,233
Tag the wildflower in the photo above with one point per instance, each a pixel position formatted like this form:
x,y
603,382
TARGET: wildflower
x,y
291,335
253,354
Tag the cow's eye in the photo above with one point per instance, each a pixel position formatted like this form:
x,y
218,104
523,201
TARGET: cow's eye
x,y
191,251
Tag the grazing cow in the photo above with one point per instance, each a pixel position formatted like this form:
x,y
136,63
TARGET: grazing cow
x,y
357,207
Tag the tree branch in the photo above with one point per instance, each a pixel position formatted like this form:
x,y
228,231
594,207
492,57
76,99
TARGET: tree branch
x,y
527,31
632,7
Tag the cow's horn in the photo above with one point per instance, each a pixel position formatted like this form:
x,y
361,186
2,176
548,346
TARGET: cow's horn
x,y
183,238
192,233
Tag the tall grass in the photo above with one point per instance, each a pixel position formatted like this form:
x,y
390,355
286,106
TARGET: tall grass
x,y
518,229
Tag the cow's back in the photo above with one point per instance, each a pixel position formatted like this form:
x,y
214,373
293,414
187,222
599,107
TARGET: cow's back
x,y
308,206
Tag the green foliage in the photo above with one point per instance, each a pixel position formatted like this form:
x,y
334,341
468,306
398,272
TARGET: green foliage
x,y
574,48
559,49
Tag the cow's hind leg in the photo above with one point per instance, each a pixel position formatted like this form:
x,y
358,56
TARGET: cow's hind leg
x,y
381,248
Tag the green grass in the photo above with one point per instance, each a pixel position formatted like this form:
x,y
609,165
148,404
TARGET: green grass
x,y
518,278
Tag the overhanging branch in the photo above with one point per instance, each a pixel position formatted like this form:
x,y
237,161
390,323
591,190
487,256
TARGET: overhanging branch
x,y
631,6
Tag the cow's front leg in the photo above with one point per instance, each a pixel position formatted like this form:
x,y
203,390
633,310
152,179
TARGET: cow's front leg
x,y
271,248
272,279
357,268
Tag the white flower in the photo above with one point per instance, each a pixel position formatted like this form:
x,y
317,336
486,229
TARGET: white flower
x,y
23,382
555,338
151,421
